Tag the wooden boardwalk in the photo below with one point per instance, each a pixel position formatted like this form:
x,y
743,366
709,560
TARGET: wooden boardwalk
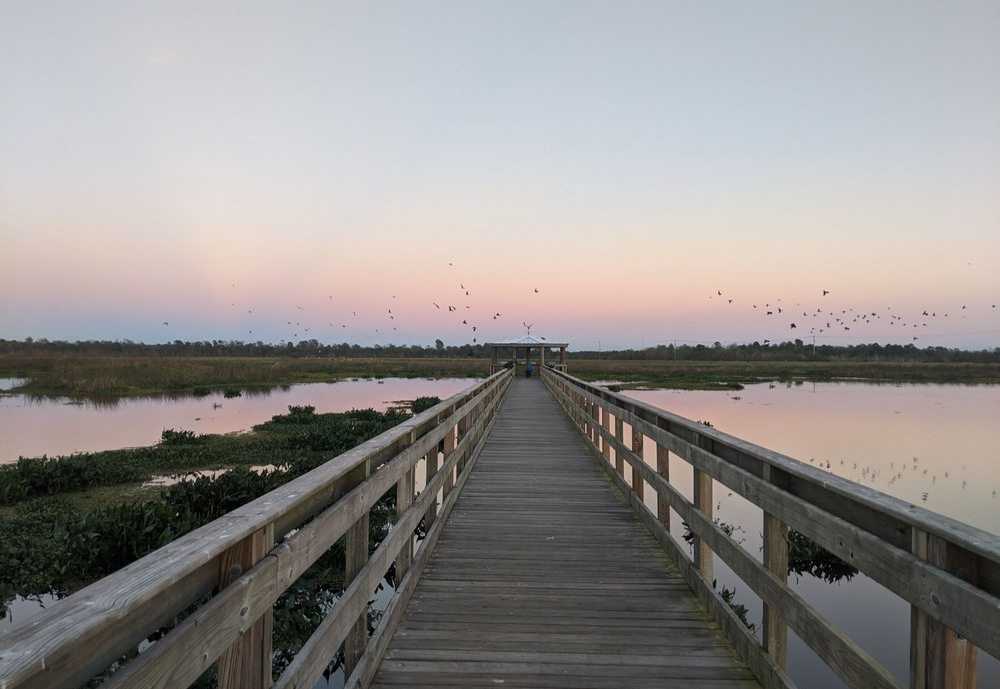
x,y
542,577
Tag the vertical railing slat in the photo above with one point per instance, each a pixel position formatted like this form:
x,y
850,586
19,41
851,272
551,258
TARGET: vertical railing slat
x,y
405,488
703,503
638,486
247,663
662,500
939,658
620,437
355,557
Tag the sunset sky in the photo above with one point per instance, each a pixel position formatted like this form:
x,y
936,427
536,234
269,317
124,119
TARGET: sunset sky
x,y
627,160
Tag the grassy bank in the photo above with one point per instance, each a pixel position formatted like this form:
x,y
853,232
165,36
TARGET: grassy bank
x,y
68,521
110,377
733,375
82,376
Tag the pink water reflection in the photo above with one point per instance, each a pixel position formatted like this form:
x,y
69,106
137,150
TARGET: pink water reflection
x,y
937,446
31,428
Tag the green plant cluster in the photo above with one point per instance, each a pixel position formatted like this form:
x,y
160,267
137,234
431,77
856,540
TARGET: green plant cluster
x,y
53,546
301,438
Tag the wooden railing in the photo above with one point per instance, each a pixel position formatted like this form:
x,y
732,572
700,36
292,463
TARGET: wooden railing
x,y
241,563
947,571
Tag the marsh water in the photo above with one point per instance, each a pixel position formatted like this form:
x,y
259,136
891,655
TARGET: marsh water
x,y
937,446
31,427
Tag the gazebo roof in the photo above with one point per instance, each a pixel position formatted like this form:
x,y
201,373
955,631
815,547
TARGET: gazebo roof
x,y
526,341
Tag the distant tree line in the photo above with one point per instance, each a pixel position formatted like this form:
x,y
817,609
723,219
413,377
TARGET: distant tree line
x,y
303,348
797,350
793,350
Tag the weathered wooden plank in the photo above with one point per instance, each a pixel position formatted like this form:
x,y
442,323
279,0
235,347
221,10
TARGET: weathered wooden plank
x,y
513,566
663,499
939,659
368,665
355,559
974,612
775,631
82,634
853,664
247,662
638,487
309,664
180,657
736,633
405,489
861,505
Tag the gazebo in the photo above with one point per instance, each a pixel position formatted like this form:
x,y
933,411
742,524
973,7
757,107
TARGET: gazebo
x,y
518,352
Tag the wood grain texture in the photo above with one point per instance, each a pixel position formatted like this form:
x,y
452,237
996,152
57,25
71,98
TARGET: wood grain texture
x,y
247,663
663,499
775,631
847,659
542,578
81,635
939,658
368,665
964,599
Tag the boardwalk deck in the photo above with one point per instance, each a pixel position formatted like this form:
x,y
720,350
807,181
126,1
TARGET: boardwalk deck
x,y
543,578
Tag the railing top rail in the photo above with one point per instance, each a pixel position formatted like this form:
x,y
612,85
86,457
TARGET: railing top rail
x,y
169,578
971,538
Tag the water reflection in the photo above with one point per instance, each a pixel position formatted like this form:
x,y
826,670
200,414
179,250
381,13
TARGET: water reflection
x,y
932,445
31,427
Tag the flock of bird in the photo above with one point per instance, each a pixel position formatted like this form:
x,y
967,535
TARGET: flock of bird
x,y
830,320
465,315
819,319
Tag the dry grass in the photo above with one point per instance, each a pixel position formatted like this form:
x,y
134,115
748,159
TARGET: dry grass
x,y
124,376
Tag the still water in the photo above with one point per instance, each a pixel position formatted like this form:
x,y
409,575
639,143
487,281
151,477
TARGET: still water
x,y
934,445
31,427
937,446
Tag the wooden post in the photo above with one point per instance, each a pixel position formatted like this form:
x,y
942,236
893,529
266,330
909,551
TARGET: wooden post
x,y
247,663
405,488
775,632
355,558
448,447
662,500
620,436
703,503
606,425
541,360
462,430
638,487
595,434
595,416
432,467
939,659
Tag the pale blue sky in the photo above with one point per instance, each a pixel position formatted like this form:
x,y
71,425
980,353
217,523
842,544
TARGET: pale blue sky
x,y
271,140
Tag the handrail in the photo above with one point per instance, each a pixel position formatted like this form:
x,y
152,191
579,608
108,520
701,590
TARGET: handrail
x,y
81,635
948,571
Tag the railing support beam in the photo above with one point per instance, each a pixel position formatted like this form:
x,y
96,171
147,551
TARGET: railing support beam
x,y
775,632
638,487
620,436
703,503
405,488
247,663
939,658
662,499
355,558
